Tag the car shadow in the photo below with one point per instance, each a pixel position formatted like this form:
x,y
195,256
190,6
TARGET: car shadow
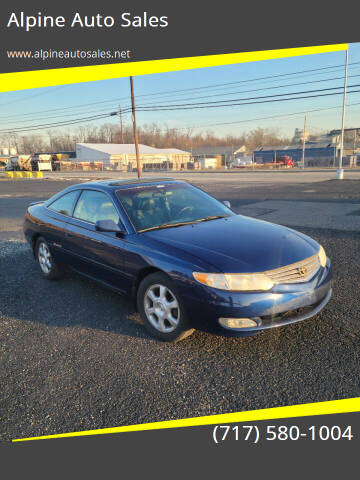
x,y
71,301
76,301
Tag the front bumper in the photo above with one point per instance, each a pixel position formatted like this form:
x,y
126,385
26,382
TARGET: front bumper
x,y
282,305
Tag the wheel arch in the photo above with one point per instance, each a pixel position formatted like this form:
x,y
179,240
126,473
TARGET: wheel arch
x,y
143,273
34,239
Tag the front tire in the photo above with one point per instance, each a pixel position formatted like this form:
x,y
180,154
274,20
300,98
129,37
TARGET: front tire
x,y
161,309
47,265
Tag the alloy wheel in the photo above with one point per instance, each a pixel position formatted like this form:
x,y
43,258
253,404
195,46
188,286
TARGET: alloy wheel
x,y
44,258
161,308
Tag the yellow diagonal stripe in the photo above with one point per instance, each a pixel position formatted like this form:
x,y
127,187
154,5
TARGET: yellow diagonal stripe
x,y
303,410
63,76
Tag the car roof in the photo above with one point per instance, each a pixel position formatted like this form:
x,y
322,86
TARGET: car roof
x,y
123,182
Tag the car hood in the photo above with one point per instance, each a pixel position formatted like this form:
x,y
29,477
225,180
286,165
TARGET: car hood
x,y
238,244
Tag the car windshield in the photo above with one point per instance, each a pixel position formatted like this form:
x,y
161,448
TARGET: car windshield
x,y
164,206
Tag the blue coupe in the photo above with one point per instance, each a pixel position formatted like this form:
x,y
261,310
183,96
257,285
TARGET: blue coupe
x,y
184,259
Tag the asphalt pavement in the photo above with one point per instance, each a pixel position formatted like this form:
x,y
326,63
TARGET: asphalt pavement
x,y
73,355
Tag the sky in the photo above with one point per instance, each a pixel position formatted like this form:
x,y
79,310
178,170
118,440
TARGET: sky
x,y
39,106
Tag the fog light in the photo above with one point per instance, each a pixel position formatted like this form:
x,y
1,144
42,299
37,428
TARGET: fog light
x,y
237,323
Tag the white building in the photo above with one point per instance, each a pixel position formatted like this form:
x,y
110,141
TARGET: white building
x,y
123,156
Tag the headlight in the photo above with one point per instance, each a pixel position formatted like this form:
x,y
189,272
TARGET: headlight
x,y
322,257
235,281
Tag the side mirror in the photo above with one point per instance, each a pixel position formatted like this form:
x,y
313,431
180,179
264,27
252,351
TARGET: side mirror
x,y
227,203
107,226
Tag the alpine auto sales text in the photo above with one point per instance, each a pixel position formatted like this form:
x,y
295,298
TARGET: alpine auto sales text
x,y
125,20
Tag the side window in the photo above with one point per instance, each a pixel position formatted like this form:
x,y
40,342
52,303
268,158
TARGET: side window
x,y
65,204
93,206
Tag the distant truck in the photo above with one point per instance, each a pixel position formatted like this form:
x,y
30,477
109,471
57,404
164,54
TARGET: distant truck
x,y
42,163
12,163
284,160
28,163
242,162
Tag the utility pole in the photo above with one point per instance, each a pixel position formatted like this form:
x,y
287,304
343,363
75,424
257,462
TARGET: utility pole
x,y
303,144
340,171
121,125
135,129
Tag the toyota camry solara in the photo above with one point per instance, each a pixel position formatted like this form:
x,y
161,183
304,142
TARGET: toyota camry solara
x,y
184,259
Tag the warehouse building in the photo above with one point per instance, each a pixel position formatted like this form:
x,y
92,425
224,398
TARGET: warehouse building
x,y
316,154
123,156
322,152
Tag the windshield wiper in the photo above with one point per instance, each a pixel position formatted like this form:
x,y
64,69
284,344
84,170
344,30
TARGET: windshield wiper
x,y
180,224
166,225
212,217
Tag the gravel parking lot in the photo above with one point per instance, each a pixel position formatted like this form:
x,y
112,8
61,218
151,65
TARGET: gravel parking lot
x,y
73,355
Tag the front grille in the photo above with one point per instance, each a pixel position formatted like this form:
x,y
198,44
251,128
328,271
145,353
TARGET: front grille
x,y
296,272
283,316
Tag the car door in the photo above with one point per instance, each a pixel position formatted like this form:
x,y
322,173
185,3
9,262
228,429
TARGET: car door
x,y
99,255
54,225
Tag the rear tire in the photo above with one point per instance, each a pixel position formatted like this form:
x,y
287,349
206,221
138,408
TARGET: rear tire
x,y
46,263
161,309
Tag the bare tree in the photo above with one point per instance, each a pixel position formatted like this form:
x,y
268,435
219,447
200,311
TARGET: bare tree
x,y
149,134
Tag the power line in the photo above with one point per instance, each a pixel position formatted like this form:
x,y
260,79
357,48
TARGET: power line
x,y
262,118
244,91
266,88
59,124
186,106
60,109
66,115
258,87
212,86
250,119
163,107
32,96
97,117
224,102
248,80
220,123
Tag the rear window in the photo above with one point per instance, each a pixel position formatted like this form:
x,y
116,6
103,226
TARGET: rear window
x,y
65,204
94,206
